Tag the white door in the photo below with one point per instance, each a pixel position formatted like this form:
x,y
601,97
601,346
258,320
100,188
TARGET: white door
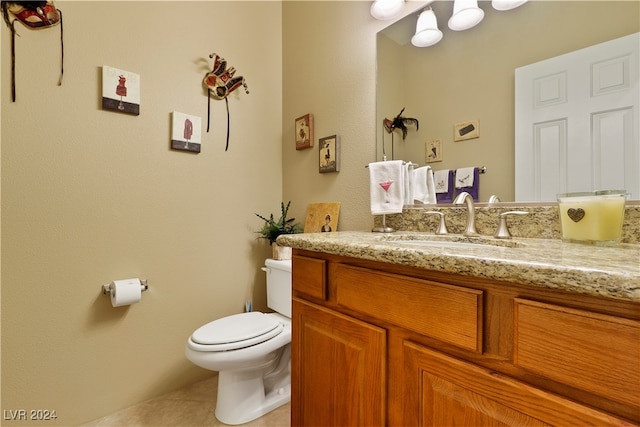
x,y
577,122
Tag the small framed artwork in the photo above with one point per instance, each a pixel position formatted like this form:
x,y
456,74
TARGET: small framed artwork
x,y
322,217
186,132
120,91
329,155
433,151
304,132
466,130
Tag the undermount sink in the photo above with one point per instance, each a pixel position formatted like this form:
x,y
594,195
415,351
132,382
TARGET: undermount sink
x,y
447,241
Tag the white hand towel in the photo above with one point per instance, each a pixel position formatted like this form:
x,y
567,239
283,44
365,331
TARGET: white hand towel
x,y
424,189
464,177
408,183
431,187
441,179
387,187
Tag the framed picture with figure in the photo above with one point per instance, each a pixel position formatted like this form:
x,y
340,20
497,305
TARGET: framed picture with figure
x,y
304,132
433,151
329,156
185,132
322,217
120,91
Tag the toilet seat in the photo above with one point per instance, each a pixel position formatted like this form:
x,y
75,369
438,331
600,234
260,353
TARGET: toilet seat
x,y
237,331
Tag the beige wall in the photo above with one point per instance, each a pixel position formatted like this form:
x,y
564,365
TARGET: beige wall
x,y
470,75
89,196
329,53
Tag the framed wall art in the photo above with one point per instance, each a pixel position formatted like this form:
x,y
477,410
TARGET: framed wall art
x,y
433,151
304,132
329,154
186,132
120,91
466,130
322,217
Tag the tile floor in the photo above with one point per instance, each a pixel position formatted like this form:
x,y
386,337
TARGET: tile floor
x,y
190,406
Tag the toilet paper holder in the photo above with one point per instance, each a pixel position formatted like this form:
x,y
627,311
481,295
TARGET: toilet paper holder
x,y
106,289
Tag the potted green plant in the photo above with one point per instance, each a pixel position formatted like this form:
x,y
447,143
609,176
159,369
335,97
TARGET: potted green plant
x,y
272,229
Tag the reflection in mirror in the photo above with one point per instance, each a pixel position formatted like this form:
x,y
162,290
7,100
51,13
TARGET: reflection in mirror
x,y
469,76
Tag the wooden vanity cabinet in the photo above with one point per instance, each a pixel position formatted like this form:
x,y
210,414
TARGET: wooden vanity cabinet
x,y
340,370
381,344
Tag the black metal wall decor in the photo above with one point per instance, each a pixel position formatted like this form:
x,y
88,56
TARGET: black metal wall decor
x,y
34,15
220,82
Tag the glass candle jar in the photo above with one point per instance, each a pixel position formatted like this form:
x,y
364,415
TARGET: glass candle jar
x,y
592,217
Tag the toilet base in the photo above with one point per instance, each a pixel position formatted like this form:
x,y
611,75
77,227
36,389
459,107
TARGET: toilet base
x,y
246,395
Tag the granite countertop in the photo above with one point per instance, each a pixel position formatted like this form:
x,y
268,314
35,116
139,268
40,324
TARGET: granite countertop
x,y
612,272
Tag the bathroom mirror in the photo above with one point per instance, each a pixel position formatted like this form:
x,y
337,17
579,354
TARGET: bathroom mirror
x,y
469,75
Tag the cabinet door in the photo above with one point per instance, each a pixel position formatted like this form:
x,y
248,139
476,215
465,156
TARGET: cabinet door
x,y
443,391
338,369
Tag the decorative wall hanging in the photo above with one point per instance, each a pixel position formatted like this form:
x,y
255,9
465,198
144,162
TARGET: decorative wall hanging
x,y
433,151
329,156
34,15
398,122
220,83
466,130
186,132
120,90
322,217
304,132
401,123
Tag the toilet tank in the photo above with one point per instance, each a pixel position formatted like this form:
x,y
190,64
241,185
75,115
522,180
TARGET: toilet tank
x,y
279,285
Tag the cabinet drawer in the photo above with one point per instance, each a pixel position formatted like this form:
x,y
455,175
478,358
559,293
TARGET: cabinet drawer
x,y
309,276
449,313
593,352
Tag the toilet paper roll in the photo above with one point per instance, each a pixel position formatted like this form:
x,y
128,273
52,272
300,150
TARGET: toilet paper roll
x,y
125,292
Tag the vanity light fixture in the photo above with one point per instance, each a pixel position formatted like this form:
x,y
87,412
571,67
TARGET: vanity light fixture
x,y
507,4
466,14
427,32
386,9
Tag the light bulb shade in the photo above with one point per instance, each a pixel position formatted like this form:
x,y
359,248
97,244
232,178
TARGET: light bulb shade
x,y
427,32
507,4
466,14
386,9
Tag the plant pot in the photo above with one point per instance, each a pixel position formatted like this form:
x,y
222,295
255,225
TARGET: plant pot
x,y
281,252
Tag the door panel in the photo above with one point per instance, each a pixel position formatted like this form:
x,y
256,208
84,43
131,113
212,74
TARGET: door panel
x,y
338,369
440,390
594,93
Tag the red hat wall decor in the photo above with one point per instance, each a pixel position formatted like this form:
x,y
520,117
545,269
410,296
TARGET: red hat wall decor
x,y
34,15
220,82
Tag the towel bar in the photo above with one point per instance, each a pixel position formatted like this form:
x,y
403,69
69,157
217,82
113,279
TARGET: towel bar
x,y
481,169
404,163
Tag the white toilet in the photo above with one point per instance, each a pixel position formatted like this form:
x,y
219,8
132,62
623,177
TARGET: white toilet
x,y
251,351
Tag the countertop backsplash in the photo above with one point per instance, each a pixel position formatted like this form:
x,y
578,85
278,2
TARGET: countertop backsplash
x,y
541,223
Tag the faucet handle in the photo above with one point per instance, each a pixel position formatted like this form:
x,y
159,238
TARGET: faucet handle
x,y
503,229
442,228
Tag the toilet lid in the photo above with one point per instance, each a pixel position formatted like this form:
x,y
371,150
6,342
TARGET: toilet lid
x,y
237,331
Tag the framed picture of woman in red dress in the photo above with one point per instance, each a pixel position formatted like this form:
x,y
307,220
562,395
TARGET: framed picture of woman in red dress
x,y
120,91
186,132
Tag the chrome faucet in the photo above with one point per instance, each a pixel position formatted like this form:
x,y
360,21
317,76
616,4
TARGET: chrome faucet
x,y
494,199
470,229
